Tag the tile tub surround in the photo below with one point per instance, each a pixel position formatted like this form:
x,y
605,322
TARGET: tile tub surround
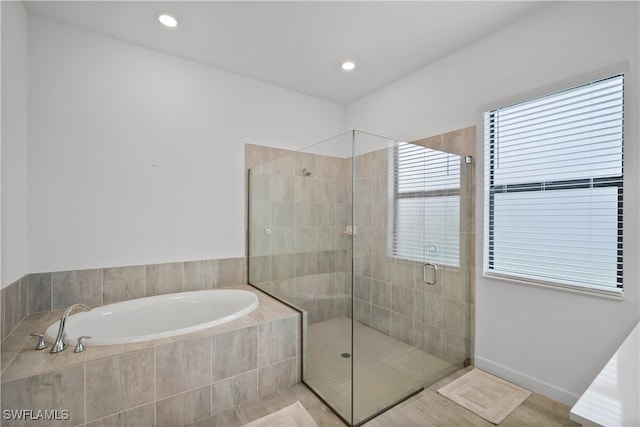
x,y
173,381
58,290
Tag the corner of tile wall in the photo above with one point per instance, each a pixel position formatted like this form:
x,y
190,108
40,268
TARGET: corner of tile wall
x,y
15,304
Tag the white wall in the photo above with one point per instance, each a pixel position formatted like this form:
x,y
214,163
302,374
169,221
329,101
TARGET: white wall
x,y
137,157
14,142
551,341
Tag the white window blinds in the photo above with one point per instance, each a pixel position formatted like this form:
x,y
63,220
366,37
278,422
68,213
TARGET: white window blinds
x,y
426,205
554,187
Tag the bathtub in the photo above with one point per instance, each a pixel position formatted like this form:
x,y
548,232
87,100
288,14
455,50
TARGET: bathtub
x,y
156,317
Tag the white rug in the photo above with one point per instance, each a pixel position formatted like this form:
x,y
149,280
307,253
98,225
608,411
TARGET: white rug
x,y
292,416
485,395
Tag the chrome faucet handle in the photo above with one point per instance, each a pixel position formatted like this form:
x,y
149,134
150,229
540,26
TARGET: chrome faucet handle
x,y
41,342
80,346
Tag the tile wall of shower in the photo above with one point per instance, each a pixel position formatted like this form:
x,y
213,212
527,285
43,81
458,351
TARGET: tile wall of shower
x,y
306,258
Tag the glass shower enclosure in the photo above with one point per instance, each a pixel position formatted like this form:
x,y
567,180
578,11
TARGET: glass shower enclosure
x,y
367,237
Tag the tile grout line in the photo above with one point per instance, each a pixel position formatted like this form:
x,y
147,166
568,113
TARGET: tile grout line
x,y
122,412
211,377
84,373
155,384
258,361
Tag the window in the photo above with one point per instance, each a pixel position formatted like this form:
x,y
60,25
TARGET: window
x,y
426,205
554,187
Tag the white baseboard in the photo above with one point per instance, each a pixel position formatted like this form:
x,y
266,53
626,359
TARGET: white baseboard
x,y
530,383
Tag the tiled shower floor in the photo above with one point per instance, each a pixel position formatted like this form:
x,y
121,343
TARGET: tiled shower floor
x,y
385,369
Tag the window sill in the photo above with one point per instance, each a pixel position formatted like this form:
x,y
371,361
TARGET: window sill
x,y
615,293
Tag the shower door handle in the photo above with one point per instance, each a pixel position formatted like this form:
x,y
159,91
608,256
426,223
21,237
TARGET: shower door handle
x,y
434,276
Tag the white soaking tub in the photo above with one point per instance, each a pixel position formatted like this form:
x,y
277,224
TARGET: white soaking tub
x,y
156,317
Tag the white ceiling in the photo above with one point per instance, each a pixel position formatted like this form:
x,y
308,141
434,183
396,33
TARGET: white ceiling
x,y
299,45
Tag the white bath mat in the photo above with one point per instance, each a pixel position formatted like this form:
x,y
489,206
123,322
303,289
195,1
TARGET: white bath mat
x,y
485,395
292,416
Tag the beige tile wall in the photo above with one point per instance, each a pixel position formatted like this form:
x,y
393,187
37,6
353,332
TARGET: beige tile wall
x,y
304,259
58,390
15,304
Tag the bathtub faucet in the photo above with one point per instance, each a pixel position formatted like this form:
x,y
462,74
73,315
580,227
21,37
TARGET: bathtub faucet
x,y
59,344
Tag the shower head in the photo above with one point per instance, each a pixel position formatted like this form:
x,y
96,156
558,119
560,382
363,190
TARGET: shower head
x,y
305,172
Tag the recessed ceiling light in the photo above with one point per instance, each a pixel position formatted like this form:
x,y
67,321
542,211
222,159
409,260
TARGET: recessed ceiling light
x,y
167,20
348,65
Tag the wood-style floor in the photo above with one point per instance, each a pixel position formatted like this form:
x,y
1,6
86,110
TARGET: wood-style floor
x,y
428,408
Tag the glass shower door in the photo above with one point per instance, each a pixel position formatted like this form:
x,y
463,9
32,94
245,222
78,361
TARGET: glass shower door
x,y
387,365
369,239
433,202
328,335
